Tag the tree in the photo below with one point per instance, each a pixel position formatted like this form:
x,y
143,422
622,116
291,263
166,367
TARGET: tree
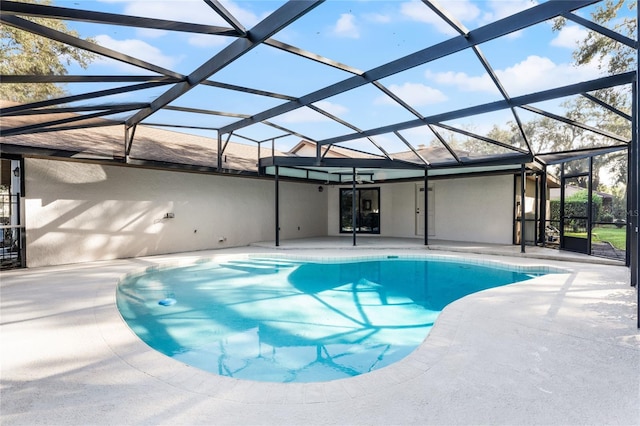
x,y
24,53
612,58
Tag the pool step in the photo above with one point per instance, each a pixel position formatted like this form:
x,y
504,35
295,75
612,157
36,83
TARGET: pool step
x,y
275,262
258,266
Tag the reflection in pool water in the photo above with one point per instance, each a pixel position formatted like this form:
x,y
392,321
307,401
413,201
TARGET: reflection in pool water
x,y
280,320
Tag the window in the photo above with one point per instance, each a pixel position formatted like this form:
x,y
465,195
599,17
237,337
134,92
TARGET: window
x,y
367,210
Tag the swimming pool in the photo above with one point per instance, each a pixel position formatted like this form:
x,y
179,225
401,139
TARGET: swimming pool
x,y
290,319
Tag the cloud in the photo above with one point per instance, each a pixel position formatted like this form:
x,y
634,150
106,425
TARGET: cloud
x,y
466,12
415,94
138,49
377,18
499,9
569,37
533,74
206,40
463,11
307,115
190,11
463,81
346,26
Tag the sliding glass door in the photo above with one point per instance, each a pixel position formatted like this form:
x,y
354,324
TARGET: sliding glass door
x,y
367,212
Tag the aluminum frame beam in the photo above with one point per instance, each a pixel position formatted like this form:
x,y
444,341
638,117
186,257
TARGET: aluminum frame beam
x,y
22,79
224,14
55,12
578,124
52,34
63,110
383,163
82,97
26,129
607,106
483,139
602,30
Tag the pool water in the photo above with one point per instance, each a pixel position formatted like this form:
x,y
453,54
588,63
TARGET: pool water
x,y
279,320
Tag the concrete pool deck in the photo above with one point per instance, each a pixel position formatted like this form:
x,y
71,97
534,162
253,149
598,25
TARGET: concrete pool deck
x,y
560,349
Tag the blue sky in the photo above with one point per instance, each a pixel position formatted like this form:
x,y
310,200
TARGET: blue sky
x,y
361,34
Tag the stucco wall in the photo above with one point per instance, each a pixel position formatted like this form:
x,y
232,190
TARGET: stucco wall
x,y
78,212
475,209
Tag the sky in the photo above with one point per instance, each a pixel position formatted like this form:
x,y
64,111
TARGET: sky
x,y
360,34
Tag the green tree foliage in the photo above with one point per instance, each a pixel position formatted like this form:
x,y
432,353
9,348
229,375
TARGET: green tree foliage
x,y
612,56
576,205
24,53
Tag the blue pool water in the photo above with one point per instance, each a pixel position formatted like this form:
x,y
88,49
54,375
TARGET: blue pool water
x,y
279,320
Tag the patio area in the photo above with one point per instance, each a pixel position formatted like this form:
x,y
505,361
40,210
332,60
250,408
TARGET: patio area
x,y
558,349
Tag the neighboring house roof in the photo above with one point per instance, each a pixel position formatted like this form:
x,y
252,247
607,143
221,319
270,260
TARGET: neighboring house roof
x,y
151,144
306,148
433,154
572,189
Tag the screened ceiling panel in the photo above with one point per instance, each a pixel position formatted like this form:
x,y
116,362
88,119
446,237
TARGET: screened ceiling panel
x,y
314,121
387,30
367,106
549,135
227,100
499,126
522,71
455,81
280,72
361,147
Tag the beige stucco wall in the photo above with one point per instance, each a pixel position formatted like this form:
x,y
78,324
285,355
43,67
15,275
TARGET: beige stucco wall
x,y
78,212
475,209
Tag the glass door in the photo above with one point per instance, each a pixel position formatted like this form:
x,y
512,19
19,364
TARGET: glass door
x,y
575,218
367,210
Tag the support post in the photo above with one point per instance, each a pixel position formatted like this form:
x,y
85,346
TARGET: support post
x,y
219,159
543,205
634,179
353,205
277,205
259,170
562,194
536,210
426,206
523,176
627,217
589,205
632,195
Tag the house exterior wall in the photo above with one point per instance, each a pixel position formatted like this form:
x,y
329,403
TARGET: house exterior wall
x,y
79,212
478,209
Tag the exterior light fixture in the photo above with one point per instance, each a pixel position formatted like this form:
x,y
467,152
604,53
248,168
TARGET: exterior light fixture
x,y
16,172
